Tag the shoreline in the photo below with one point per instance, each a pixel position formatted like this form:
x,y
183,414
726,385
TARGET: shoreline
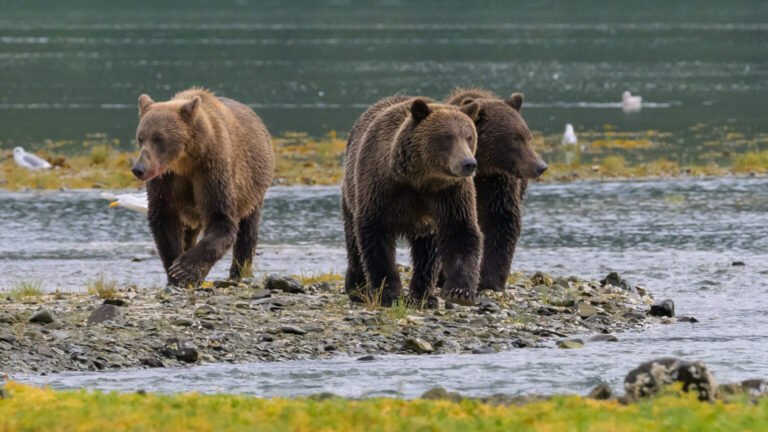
x,y
304,160
282,318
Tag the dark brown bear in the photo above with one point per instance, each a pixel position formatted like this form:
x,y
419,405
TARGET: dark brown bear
x,y
506,161
408,167
207,162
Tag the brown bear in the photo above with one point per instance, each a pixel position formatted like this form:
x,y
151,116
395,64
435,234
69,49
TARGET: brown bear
x,y
506,161
207,162
408,169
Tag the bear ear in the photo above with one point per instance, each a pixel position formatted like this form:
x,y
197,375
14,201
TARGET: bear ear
x,y
472,110
189,109
515,101
420,110
467,101
144,103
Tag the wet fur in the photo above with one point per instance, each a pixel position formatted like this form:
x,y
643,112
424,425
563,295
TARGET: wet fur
x,y
215,187
395,186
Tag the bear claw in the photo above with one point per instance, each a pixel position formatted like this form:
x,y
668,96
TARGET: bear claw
x,y
460,296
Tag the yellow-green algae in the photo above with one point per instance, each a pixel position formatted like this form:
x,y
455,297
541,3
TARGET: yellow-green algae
x,y
31,408
301,159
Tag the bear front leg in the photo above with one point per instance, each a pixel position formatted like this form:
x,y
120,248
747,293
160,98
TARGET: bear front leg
x,y
499,214
245,246
164,223
377,252
425,271
459,243
354,280
193,265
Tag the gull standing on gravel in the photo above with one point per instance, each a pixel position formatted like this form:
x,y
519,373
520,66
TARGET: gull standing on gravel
x,y
132,201
29,161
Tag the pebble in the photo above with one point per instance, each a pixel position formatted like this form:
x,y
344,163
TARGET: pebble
x,y
419,346
367,358
11,339
604,338
664,308
43,316
289,329
182,322
205,310
651,377
285,284
486,349
570,344
585,310
601,392
105,312
183,350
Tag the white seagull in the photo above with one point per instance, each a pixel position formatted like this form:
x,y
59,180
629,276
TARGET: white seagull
x,y
569,137
132,201
631,103
29,161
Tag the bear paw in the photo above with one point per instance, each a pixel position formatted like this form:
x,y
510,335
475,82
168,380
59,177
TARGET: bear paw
x,y
422,302
183,274
462,296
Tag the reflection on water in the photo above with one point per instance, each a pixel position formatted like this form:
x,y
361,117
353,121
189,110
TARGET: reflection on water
x,y
678,238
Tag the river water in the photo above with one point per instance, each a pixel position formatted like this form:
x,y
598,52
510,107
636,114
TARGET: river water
x,y
679,238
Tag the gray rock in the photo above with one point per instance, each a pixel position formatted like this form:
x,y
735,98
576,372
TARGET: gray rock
x,y
486,306
289,329
283,283
419,346
105,312
688,319
585,310
604,338
224,283
651,377
205,310
439,393
43,316
738,264
601,392
182,322
664,308
56,325
44,349
181,349
570,344
152,362
367,358
614,279
11,339
485,349
260,294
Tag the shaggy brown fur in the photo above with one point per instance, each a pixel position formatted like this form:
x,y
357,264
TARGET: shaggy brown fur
x,y
505,162
207,162
408,162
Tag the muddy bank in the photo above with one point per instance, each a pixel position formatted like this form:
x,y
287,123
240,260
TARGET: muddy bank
x,y
279,318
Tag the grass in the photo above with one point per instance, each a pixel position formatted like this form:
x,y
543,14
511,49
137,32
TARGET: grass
x,y
316,278
103,288
398,310
23,291
30,408
304,160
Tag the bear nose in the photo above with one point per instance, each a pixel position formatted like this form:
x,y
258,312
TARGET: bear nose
x,y
468,166
540,168
138,171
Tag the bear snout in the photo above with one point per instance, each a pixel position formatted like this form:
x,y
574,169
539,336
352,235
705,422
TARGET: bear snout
x,y
139,170
466,167
539,168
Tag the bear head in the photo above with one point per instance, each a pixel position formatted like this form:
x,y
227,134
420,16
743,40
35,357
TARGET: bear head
x,y
437,142
165,129
504,140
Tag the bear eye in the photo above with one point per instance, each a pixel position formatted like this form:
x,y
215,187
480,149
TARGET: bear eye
x,y
158,139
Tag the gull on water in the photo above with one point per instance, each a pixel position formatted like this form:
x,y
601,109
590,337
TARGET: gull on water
x,y
631,103
28,160
132,201
569,137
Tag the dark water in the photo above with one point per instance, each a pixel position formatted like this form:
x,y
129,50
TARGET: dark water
x,y
678,238
69,69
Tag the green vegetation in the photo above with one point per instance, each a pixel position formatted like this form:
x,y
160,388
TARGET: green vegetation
x,y
25,291
103,288
398,310
29,408
303,160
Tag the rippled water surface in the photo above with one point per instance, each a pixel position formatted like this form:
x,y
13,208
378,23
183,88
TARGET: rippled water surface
x,y
77,67
678,238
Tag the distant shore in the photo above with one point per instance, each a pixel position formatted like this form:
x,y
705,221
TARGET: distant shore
x,y
303,160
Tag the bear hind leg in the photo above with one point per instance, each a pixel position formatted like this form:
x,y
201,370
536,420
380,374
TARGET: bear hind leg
x,y
245,246
354,280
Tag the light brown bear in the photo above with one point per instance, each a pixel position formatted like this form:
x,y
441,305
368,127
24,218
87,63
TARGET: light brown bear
x,y
207,162
506,161
409,163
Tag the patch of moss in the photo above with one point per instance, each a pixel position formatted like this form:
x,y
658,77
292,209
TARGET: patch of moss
x,y
30,408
